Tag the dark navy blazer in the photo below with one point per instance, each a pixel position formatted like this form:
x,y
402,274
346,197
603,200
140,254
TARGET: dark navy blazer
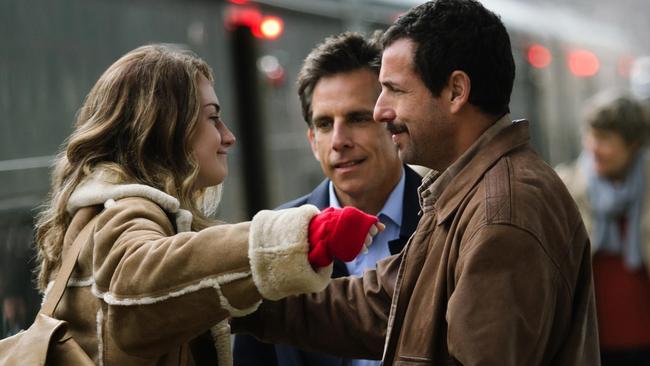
x,y
248,351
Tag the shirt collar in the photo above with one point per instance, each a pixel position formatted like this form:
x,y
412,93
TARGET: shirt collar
x,y
393,205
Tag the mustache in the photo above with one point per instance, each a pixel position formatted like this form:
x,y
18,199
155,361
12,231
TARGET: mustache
x,y
395,128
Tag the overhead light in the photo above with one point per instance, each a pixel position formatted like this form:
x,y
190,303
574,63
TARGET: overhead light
x,y
539,56
271,27
583,63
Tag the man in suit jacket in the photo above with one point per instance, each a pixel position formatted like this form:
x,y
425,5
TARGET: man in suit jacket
x,y
338,87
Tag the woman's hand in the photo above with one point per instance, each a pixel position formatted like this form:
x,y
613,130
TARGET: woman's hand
x,y
341,234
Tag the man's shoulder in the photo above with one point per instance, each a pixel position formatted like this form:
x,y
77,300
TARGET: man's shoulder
x,y
294,203
523,192
520,187
319,197
522,197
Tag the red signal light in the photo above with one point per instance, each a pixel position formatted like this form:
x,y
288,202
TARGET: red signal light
x,y
539,56
268,27
583,63
271,27
244,16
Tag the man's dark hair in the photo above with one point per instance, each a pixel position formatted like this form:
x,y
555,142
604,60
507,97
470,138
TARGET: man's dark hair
x,y
616,111
460,35
345,52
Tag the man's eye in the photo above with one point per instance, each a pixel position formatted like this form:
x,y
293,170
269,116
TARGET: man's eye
x,y
361,119
323,124
391,89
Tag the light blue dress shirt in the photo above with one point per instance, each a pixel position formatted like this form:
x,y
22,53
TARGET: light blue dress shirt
x,y
391,216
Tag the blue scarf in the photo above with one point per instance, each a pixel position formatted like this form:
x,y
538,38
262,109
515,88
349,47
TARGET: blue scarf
x,y
609,202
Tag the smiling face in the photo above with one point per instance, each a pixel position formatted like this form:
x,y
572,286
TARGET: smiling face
x,y
211,140
354,151
419,122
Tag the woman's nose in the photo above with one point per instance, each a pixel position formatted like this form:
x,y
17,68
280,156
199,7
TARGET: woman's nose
x,y
228,138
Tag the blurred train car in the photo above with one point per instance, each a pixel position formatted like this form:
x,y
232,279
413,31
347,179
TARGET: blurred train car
x,y
561,57
52,52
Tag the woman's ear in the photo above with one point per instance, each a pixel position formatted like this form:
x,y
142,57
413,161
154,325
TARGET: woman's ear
x,y
459,86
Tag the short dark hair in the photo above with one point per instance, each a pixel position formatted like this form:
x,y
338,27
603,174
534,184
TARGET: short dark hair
x,y
345,52
460,35
618,112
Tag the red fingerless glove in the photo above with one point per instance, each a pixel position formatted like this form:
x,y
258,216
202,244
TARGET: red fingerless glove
x,y
337,233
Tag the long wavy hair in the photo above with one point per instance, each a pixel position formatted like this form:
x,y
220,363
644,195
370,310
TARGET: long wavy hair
x,y
138,122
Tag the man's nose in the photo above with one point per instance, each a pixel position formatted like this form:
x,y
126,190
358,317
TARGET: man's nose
x,y
383,112
341,136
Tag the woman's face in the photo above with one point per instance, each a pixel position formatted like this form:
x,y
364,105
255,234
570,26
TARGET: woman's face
x,y
612,155
212,139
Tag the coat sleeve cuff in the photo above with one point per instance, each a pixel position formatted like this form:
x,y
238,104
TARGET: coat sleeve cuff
x,y
278,248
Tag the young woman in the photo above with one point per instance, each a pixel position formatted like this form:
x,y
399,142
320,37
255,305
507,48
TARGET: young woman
x,y
136,183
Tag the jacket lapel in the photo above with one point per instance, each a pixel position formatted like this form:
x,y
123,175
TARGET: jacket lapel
x,y
320,197
410,210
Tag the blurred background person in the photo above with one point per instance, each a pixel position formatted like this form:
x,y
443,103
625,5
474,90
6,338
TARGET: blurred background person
x,y
338,86
610,182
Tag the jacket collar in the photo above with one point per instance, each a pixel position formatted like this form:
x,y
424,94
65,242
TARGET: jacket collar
x,y
102,187
319,197
507,139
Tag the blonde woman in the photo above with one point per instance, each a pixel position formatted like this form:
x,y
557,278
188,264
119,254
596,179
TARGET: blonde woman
x,y
136,182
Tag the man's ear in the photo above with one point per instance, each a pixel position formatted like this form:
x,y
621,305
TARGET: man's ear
x,y
459,86
312,143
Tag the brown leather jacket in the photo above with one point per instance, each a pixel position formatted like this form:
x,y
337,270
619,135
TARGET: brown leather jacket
x,y
498,272
145,288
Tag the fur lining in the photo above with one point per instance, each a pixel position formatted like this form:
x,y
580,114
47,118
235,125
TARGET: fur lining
x,y
81,282
98,189
112,299
234,312
221,336
183,221
100,336
278,248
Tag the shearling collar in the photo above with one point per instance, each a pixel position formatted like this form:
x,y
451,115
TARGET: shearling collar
x,y
99,188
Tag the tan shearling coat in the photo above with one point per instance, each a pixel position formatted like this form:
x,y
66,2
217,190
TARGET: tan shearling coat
x,y
145,287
